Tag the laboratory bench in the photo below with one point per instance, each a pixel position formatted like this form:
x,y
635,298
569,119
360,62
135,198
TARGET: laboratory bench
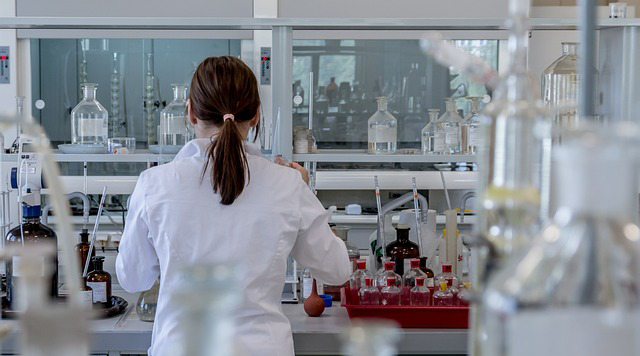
x,y
312,336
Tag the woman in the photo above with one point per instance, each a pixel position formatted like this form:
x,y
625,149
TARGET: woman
x,y
221,202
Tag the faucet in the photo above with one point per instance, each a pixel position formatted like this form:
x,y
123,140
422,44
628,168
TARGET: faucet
x,y
464,200
85,207
396,203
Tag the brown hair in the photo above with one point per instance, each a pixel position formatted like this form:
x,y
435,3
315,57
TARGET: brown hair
x,y
222,86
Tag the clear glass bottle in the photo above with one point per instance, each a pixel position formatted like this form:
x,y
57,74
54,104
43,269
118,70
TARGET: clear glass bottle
x,y
464,295
443,296
356,281
34,232
402,250
307,283
89,119
173,119
150,100
100,281
390,294
447,275
470,124
419,294
148,303
383,130
584,267
451,121
385,272
409,280
369,294
560,86
433,135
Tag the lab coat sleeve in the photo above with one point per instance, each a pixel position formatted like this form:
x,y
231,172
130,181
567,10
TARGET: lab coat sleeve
x,y
316,246
137,263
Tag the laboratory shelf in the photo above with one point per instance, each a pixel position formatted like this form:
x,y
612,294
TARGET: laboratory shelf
x,y
355,220
141,156
361,156
393,179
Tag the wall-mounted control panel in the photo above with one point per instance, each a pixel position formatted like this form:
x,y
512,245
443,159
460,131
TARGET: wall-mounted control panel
x,y
265,65
4,65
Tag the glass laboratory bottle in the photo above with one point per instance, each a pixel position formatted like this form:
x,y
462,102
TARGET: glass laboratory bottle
x,y
409,280
386,272
173,119
34,232
307,283
470,124
89,119
464,295
86,294
584,267
446,275
560,86
383,130
100,281
419,295
443,296
369,294
148,303
356,281
82,249
451,121
433,135
402,250
390,294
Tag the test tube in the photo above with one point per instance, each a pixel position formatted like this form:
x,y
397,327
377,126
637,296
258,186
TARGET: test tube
x,y
380,221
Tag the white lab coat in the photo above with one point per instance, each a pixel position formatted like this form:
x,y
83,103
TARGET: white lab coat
x,y
175,220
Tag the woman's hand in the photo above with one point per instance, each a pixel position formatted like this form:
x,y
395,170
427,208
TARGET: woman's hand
x,y
294,165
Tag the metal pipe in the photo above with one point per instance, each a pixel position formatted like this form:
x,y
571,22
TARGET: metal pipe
x,y
587,27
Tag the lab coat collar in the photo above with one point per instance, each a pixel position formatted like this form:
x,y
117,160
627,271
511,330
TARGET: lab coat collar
x,y
198,148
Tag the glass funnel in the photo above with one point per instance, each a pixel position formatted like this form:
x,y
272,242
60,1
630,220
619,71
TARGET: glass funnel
x,y
89,119
433,135
470,124
560,87
451,122
173,119
383,130
583,268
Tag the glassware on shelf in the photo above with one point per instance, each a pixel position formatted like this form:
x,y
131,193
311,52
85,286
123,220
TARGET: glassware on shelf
x,y
321,104
356,281
464,295
298,95
584,267
122,145
402,250
386,271
560,87
369,294
433,135
331,91
451,122
150,100
470,124
409,279
447,276
89,119
31,231
100,282
173,119
148,303
382,130
390,294
419,294
443,296
116,122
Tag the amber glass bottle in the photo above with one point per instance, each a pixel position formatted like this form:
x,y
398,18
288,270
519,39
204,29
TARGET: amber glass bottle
x,y
401,251
100,281
34,232
86,293
82,249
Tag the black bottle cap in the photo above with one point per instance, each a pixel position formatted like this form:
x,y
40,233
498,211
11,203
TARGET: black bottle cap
x,y
97,258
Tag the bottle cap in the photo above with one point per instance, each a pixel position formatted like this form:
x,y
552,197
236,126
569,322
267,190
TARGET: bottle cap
x,y
368,281
31,211
403,227
446,268
391,281
415,263
361,264
443,286
420,281
388,266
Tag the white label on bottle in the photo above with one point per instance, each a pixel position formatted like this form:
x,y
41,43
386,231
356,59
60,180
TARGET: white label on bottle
x,y
472,136
383,133
17,267
575,331
307,284
86,297
99,291
430,282
439,141
452,135
301,146
91,127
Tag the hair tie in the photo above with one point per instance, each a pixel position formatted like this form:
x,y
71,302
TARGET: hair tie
x,y
228,117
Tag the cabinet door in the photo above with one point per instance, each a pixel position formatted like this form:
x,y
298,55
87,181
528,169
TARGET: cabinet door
x,y
114,8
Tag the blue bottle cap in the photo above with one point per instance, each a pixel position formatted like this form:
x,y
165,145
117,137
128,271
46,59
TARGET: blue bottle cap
x,y
328,301
31,211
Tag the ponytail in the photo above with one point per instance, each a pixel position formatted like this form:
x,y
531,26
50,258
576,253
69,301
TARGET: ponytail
x,y
229,162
